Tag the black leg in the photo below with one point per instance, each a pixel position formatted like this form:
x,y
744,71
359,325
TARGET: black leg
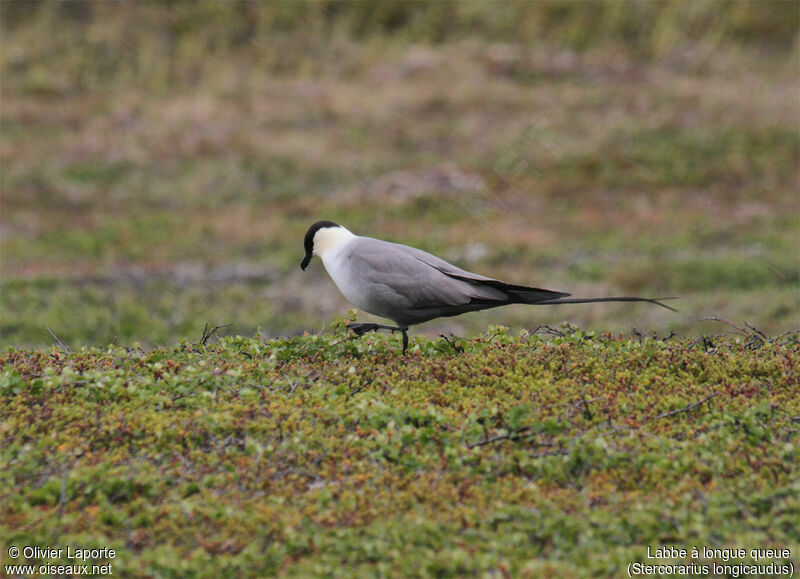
x,y
361,328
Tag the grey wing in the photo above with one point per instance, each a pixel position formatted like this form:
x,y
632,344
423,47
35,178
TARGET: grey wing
x,y
404,276
410,285
511,293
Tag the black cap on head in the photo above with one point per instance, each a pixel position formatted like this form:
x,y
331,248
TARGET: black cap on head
x,y
308,242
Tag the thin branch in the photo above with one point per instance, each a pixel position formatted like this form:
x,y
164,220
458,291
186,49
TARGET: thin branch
x,y
714,318
547,330
587,413
453,344
558,451
757,337
687,408
513,436
366,383
756,331
60,343
642,335
188,392
207,334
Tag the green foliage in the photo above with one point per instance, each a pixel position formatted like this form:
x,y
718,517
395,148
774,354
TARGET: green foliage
x,y
332,456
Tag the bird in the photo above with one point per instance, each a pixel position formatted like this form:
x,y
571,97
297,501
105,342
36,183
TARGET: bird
x,y
410,286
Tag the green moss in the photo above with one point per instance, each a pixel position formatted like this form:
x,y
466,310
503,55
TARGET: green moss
x,y
319,456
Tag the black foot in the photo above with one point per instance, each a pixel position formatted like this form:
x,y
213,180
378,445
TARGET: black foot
x,y
360,328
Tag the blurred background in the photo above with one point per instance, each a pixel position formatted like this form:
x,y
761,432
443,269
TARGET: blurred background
x,y
161,162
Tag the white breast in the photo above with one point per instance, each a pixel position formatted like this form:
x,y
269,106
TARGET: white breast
x,y
338,268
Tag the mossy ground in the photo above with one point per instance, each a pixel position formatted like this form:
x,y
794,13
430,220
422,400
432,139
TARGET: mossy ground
x,y
527,455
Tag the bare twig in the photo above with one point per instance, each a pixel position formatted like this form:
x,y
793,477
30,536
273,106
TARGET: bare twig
x,y
365,384
557,451
615,430
60,343
757,337
714,318
642,335
512,436
587,413
756,331
188,392
547,330
207,334
453,344
687,408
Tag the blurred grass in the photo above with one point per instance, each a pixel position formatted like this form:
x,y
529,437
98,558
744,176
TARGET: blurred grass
x,y
596,148
192,35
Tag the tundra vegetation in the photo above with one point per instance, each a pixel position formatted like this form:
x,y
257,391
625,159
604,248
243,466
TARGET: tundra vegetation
x,y
513,455
160,165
